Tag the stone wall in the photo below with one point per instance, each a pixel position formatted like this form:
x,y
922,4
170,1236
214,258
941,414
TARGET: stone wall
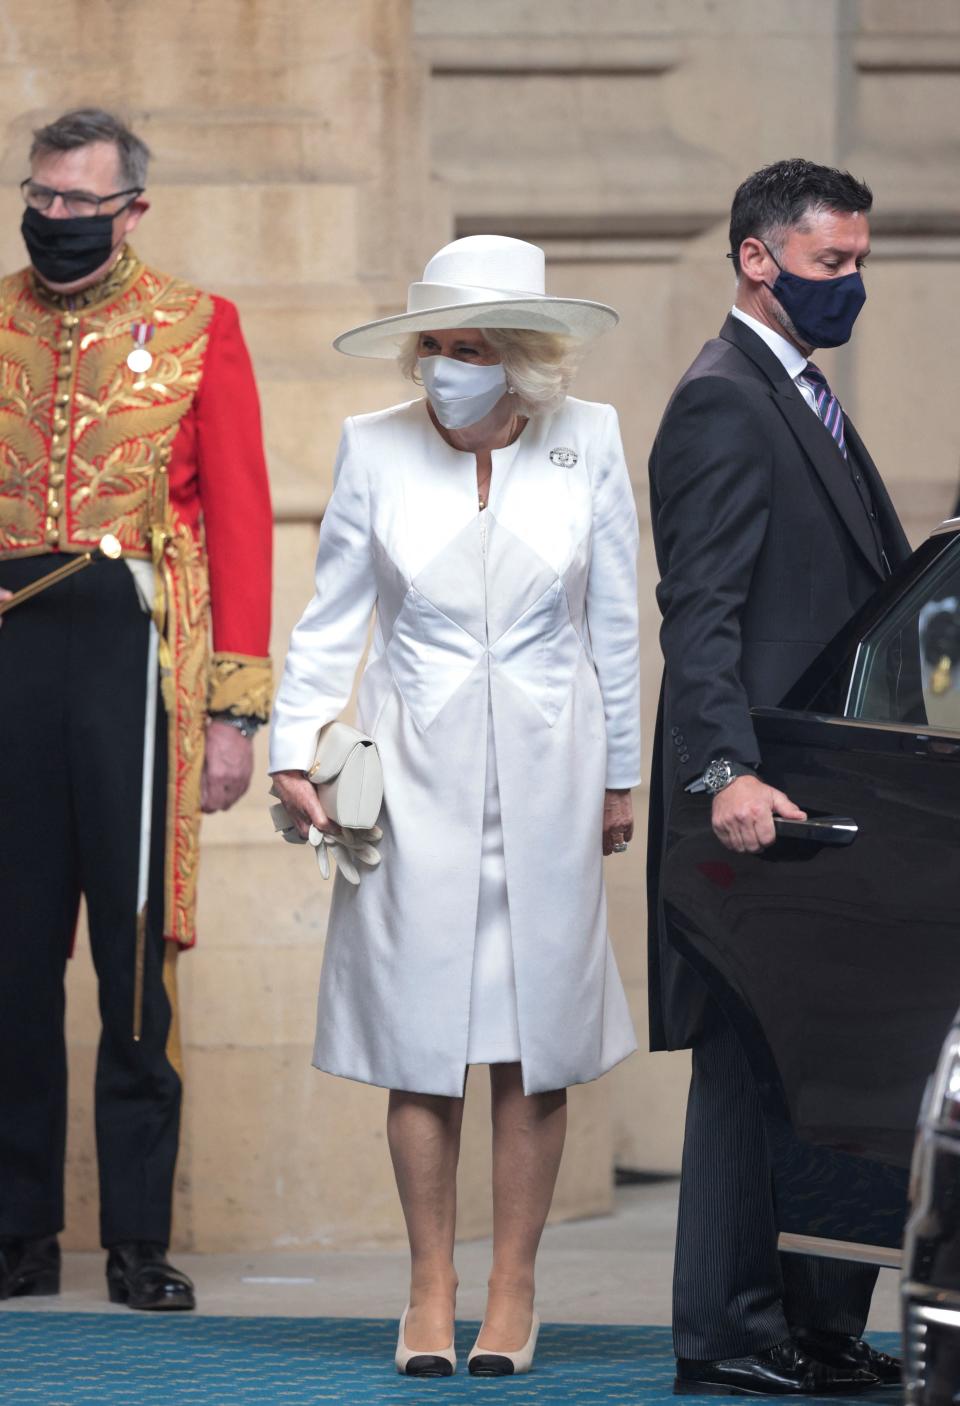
x,y
309,158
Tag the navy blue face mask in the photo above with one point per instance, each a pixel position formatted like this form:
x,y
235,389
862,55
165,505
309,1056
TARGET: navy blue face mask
x,y
823,310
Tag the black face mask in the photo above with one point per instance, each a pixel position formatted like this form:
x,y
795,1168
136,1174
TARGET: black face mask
x,y
63,251
823,310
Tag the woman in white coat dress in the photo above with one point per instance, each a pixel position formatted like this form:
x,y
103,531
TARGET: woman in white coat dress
x,y
492,528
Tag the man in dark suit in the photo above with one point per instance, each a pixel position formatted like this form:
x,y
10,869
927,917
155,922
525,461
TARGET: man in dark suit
x,y
772,526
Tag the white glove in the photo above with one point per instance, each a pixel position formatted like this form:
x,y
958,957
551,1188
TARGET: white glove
x,y
349,848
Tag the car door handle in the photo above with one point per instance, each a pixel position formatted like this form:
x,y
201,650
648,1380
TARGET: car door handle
x,y
818,830
923,742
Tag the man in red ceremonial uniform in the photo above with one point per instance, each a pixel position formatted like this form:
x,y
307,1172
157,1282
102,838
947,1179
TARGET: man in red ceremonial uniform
x,y
127,407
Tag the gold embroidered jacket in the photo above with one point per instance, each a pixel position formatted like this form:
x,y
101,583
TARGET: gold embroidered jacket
x,y
170,460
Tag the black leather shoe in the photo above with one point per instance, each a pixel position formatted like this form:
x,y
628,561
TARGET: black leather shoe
x,y
838,1350
29,1268
140,1275
783,1370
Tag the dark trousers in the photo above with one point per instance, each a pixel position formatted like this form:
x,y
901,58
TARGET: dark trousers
x,y
72,700
732,1291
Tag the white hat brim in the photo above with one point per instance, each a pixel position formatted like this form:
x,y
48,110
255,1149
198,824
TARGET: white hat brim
x,y
569,317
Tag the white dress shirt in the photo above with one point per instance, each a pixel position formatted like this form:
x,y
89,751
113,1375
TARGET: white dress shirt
x,y
794,362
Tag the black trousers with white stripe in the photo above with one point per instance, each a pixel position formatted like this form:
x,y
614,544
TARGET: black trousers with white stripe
x,y
733,1293
72,672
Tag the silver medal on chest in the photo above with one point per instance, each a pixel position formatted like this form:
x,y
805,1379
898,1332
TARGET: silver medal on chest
x,y
140,360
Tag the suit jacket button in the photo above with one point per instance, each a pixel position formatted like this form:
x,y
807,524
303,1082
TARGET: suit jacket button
x,y
684,756
674,731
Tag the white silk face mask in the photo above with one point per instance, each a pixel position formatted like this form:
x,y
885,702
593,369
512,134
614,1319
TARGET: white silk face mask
x,y
460,392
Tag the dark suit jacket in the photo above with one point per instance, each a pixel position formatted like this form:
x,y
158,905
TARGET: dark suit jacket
x,y
766,547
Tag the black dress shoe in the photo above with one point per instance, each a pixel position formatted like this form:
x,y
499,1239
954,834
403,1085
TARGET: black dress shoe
x,y
140,1275
29,1268
783,1370
838,1350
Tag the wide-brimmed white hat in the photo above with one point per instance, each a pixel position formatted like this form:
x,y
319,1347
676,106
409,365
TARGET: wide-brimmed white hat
x,y
483,280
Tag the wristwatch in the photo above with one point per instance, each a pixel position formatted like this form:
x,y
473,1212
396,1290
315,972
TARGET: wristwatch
x,y
717,775
246,726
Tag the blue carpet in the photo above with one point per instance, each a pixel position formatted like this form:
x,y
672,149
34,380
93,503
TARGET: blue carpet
x,y
89,1359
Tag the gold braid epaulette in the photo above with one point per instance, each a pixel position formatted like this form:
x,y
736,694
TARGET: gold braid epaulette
x,y
241,685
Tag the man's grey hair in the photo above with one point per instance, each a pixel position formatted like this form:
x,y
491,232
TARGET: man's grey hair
x,y
92,124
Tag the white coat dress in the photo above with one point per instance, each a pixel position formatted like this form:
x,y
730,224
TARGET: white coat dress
x,y
502,689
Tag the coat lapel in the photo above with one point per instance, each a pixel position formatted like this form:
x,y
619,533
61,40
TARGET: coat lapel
x,y
831,467
816,443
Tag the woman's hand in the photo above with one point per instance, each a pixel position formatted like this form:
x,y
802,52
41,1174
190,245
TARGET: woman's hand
x,y
299,798
617,821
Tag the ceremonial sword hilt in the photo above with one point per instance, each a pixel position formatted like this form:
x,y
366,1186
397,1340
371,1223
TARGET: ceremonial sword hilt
x,y
109,547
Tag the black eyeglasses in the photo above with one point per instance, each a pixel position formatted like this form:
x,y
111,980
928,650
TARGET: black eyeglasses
x,y
76,202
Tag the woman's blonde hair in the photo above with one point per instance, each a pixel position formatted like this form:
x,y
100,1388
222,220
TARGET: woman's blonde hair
x,y
539,366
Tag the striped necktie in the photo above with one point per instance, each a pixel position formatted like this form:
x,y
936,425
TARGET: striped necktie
x,y
828,407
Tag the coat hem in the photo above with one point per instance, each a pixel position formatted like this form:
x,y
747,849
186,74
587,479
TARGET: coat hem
x,y
457,1090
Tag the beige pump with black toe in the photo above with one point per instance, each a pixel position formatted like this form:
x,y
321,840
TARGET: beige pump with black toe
x,y
484,1363
441,1362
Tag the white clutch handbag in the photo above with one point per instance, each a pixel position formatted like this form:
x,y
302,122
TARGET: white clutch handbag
x,y
348,776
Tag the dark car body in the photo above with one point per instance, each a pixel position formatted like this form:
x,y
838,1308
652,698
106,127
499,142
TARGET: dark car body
x,y
836,953
930,1283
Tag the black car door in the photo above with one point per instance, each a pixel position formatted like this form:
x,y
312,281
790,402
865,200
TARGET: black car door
x,y
836,954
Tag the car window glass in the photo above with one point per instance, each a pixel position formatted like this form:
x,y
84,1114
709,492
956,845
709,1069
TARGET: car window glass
x,y
908,668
